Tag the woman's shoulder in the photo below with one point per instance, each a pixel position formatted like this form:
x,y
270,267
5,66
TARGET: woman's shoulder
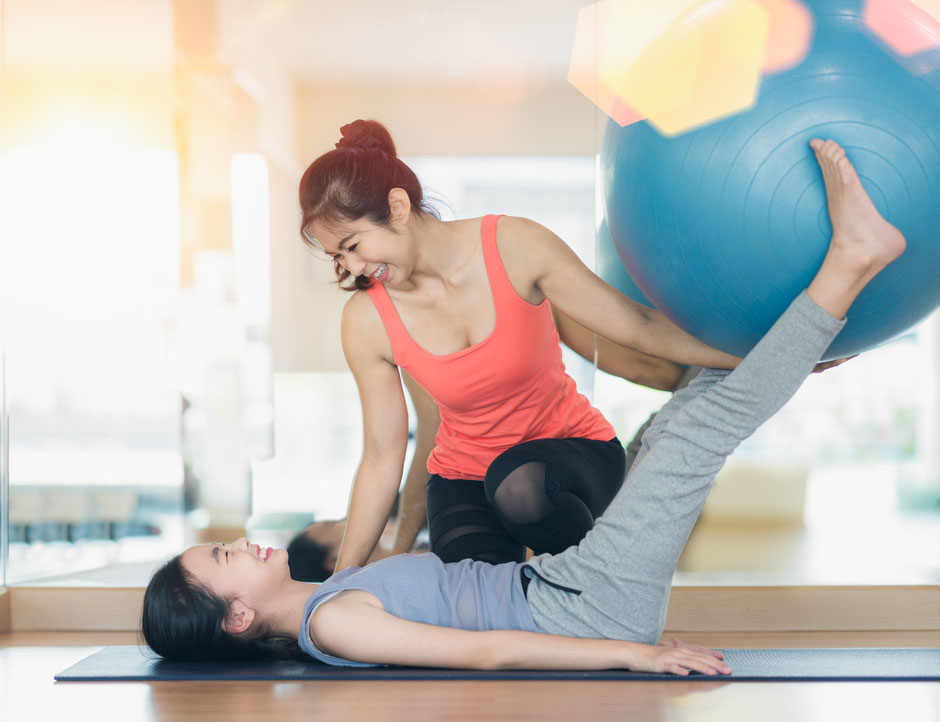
x,y
513,230
522,226
517,234
362,328
464,231
527,249
359,309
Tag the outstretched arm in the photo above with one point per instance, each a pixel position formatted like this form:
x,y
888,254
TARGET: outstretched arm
x,y
540,265
385,431
627,363
354,626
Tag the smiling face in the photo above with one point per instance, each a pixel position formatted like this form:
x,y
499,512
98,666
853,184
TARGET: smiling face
x,y
382,252
366,249
240,570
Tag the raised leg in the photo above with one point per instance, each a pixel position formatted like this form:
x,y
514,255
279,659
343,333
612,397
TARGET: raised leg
x,y
624,566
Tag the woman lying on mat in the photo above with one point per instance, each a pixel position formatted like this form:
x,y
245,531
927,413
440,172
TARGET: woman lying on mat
x,y
598,605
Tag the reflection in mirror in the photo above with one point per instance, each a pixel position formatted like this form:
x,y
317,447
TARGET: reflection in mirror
x,y
4,466
157,299
94,416
135,314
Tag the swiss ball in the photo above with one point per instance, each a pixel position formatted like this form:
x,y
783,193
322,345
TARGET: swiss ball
x,y
723,225
610,267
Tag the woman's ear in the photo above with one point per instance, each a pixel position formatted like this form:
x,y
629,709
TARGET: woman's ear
x,y
399,205
239,618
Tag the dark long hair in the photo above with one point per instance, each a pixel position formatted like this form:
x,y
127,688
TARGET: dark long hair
x,y
352,182
182,622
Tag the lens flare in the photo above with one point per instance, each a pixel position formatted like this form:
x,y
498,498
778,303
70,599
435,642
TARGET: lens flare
x,y
791,34
909,28
682,64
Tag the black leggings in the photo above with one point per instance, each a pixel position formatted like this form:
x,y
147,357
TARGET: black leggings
x,y
543,494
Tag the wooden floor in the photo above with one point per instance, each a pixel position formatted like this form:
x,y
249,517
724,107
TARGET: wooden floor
x,y
28,662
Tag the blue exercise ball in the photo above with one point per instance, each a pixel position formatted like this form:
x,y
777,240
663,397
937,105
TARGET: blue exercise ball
x,y
610,267
722,226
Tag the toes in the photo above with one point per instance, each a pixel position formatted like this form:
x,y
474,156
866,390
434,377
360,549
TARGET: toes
x,y
827,150
830,150
846,170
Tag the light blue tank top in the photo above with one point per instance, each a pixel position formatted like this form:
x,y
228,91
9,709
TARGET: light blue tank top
x,y
470,595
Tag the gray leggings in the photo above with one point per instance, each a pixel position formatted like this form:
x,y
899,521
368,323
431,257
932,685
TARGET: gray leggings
x,y
615,584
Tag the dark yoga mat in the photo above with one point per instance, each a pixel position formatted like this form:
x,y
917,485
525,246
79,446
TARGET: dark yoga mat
x,y
138,664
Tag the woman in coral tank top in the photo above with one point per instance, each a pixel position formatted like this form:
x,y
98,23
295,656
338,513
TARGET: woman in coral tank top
x,y
521,459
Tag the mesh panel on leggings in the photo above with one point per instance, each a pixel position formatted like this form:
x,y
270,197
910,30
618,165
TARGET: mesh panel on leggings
x,y
520,498
462,525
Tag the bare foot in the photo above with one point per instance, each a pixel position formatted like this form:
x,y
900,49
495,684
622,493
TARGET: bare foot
x,y
856,222
863,242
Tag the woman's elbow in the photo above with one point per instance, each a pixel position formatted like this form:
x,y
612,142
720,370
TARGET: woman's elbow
x,y
382,454
492,653
666,376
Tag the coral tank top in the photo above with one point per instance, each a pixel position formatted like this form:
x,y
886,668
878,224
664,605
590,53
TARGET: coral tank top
x,y
508,388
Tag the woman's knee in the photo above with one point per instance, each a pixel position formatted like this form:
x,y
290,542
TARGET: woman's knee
x,y
519,497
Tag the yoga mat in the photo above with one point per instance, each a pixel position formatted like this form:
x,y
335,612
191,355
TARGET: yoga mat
x,y
138,664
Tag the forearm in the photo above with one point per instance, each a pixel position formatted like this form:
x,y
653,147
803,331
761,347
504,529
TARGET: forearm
x,y
524,650
639,368
412,511
530,650
611,358
658,336
373,495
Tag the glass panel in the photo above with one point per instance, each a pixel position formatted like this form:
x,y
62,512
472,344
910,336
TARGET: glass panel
x,y
4,467
843,484
89,232
89,298
157,300
134,286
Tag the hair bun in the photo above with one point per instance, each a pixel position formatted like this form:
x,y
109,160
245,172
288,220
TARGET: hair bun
x,y
367,142
368,135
